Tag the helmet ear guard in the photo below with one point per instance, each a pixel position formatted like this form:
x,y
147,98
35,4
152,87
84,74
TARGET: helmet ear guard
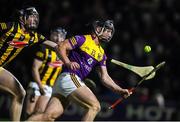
x,y
21,12
98,24
107,24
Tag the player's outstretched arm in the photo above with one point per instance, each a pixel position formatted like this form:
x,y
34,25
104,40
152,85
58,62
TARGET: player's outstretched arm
x,y
109,83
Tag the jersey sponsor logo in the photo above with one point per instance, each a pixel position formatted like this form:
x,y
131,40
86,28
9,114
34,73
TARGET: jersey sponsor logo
x,y
86,67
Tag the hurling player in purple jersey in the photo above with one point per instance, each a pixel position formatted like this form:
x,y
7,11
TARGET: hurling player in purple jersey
x,y
84,53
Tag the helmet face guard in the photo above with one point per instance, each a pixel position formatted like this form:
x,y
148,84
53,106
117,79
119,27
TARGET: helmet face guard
x,y
108,24
30,18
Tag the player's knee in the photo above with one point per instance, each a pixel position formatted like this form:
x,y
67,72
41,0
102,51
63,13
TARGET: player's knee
x,y
20,95
96,107
28,111
49,117
23,93
39,110
52,115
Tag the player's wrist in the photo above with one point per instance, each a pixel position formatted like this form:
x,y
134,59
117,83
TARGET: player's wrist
x,y
118,90
67,63
40,85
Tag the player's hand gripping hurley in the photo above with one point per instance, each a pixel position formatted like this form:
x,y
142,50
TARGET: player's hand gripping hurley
x,y
138,83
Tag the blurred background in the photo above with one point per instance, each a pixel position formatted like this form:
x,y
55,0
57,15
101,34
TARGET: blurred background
x,y
137,23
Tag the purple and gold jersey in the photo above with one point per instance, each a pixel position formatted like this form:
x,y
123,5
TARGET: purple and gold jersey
x,y
86,53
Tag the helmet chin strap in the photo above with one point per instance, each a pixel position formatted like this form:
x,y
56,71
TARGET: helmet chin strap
x,y
100,33
23,21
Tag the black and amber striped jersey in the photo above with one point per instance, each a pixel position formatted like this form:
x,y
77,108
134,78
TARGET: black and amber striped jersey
x,y
51,65
11,32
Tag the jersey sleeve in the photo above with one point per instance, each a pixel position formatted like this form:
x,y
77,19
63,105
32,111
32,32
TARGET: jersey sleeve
x,y
103,61
76,41
5,26
40,53
41,38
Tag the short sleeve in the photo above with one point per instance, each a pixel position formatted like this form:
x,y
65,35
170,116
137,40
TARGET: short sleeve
x,y
103,61
40,53
76,41
41,38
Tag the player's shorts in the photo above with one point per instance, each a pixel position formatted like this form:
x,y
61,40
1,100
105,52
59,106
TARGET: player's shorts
x,y
47,89
66,83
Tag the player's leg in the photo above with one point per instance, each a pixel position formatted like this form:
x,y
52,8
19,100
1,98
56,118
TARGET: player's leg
x,y
54,110
30,102
41,104
84,97
72,87
43,99
11,85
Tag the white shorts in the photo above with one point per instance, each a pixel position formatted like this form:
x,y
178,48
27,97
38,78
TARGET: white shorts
x,y
47,89
66,83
